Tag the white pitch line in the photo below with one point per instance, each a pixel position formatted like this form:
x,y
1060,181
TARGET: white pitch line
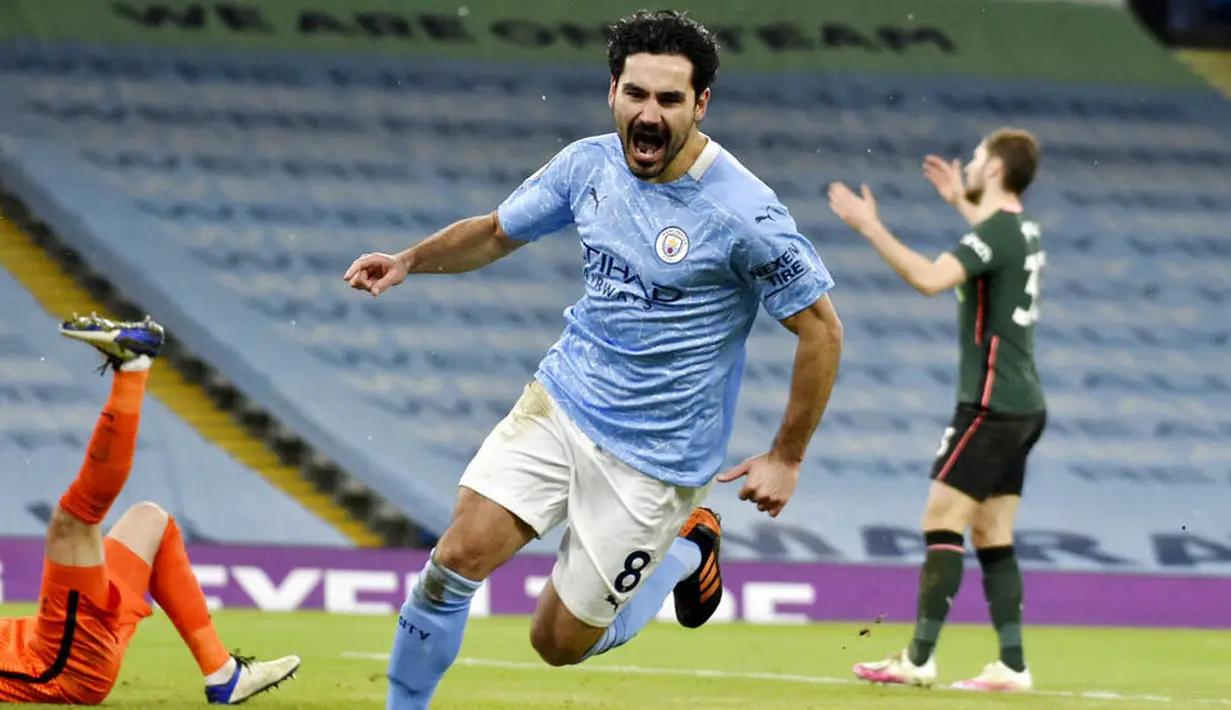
x,y
753,675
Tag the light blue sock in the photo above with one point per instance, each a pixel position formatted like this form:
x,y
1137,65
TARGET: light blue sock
x,y
429,636
682,560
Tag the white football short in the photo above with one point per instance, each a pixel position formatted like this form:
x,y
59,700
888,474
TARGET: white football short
x,y
538,465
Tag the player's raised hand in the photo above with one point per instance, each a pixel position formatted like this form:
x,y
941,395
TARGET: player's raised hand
x,y
770,482
375,273
945,176
858,211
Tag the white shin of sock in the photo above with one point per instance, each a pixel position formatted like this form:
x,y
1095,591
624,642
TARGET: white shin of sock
x,y
223,674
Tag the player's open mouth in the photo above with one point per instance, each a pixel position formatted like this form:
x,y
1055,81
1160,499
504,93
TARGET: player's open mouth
x,y
647,147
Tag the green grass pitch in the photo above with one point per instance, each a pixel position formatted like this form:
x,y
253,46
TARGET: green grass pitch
x,y
721,666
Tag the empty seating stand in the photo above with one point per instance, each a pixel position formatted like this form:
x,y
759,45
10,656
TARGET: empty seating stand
x,y
50,397
231,204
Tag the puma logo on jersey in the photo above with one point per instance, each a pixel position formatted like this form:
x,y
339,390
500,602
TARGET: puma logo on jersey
x,y
594,196
979,247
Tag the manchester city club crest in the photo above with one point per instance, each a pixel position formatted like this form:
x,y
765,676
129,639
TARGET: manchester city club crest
x,y
672,245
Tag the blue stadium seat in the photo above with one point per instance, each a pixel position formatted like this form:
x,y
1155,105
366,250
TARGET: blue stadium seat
x,y
49,403
235,209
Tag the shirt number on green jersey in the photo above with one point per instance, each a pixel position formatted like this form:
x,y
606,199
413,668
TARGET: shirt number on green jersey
x,y
944,441
1026,317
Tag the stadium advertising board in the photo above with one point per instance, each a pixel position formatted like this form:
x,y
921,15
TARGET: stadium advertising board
x,y
376,582
955,37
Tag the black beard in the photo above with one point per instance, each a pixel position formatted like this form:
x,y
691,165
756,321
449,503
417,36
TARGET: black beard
x,y
669,152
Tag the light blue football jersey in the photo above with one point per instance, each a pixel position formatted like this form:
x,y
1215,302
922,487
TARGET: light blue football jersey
x,y
651,357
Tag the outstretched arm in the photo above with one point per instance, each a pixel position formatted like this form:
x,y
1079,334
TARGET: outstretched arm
x,y
927,277
541,205
463,246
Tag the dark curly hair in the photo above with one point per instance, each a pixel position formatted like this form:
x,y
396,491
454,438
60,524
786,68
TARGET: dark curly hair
x,y
664,32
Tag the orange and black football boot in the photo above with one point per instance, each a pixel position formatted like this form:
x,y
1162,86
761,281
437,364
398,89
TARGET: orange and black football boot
x,y
698,596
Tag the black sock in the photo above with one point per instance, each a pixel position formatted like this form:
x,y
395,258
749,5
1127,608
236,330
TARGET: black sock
x,y
1002,585
939,581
